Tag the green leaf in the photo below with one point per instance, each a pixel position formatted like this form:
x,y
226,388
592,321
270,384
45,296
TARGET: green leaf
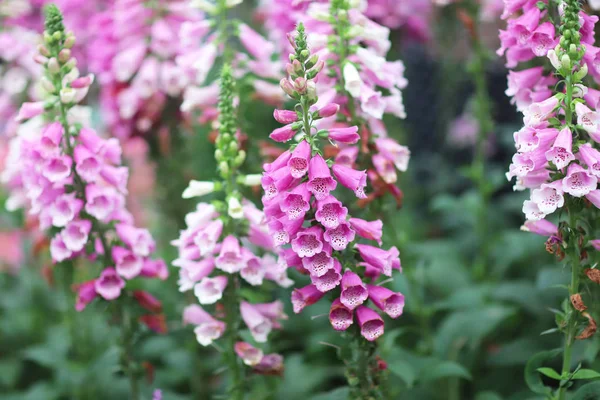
x,y
550,373
337,394
532,377
586,374
405,371
445,369
591,391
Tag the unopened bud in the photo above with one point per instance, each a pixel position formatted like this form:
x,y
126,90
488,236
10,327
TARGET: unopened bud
x,y
53,66
300,85
69,41
566,62
291,39
305,54
218,154
47,85
40,59
313,72
287,87
583,71
233,147
251,180
64,55
240,158
56,36
43,50
311,91
47,38
312,61
224,167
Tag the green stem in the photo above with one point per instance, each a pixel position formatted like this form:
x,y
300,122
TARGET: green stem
x,y
571,330
127,359
483,112
232,318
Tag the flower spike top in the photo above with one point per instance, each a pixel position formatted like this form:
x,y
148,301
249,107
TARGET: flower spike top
x,y
218,250
312,227
72,179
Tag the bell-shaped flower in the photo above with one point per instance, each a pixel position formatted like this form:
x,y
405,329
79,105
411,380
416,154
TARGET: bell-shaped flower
x,y
371,323
340,316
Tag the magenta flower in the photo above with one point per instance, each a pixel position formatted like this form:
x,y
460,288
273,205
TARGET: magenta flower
x,y
249,354
330,212
320,182
230,258
344,135
109,284
298,162
352,179
210,290
308,242
354,291
371,323
386,300
259,325
305,296
340,316
339,237
370,230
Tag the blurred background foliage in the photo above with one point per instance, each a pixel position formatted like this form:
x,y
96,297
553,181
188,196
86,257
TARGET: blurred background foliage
x,y
468,330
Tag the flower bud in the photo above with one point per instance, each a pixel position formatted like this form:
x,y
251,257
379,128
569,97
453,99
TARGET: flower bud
x,y
251,180
40,59
312,61
67,95
234,208
285,116
291,39
240,158
56,36
43,50
297,67
311,90
329,110
553,57
199,188
583,71
47,85
224,167
305,54
300,85
53,66
64,55
566,62
69,41
287,87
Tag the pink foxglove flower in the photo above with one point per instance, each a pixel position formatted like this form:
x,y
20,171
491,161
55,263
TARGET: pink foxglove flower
x,y
299,186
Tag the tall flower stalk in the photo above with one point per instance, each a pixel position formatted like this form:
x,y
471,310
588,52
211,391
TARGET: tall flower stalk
x,y
75,185
315,230
216,265
483,114
557,156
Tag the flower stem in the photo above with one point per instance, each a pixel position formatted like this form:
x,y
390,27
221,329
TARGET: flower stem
x,y
232,318
483,112
127,358
571,329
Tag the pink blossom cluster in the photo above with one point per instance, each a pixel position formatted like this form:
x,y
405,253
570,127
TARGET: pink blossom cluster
x,y
547,161
201,41
413,17
72,180
358,83
313,227
208,261
133,53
